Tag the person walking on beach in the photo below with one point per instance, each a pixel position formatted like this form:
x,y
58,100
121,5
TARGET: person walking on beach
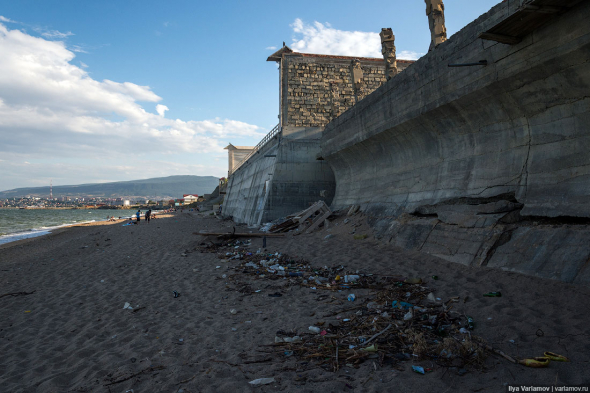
x,y
137,216
148,215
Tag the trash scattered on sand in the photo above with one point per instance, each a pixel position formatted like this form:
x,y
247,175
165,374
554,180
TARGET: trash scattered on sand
x,y
380,326
262,381
176,294
493,294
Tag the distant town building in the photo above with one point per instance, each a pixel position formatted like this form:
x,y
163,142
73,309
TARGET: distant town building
x,y
190,198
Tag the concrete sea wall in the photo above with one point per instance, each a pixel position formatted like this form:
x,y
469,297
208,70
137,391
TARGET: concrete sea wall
x,y
461,162
281,178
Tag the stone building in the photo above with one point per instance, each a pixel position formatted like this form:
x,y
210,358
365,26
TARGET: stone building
x,y
314,89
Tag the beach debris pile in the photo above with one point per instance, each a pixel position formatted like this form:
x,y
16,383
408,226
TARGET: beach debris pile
x,y
400,320
388,330
304,221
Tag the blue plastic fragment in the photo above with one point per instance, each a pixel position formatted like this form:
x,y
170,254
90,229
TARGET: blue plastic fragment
x,y
419,370
402,305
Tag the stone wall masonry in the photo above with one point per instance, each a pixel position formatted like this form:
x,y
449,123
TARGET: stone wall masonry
x,y
320,89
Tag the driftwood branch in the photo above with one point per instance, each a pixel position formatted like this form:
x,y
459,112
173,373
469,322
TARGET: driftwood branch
x,y
17,294
497,352
377,335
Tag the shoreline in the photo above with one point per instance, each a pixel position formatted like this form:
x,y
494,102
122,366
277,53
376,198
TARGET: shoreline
x,y
62,228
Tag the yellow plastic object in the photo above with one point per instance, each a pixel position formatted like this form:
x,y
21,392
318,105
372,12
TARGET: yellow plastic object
x,y
337,278
535,363
555,357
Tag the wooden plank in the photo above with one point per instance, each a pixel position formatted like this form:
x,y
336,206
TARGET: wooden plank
x,y
317,206
318,222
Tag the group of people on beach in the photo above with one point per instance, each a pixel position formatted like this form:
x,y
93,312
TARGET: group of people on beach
x,y
148,215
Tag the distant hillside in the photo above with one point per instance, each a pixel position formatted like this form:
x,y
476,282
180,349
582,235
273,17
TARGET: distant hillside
x,y
173,186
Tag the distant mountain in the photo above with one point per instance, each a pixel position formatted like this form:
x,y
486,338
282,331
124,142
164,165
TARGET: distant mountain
x,y
171,186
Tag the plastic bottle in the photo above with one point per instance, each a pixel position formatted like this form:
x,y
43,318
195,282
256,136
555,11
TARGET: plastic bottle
x,y
315,329
351,278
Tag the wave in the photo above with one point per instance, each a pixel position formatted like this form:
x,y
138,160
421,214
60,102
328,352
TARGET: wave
x,y
36,232
12,237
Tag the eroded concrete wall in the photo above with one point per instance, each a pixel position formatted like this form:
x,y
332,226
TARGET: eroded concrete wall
x,y
519,125
247,187
485,165
282,178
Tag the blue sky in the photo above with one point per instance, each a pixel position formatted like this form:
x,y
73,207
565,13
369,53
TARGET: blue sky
x,y
82,82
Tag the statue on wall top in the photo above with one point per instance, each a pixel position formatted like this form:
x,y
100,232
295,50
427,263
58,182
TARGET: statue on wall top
x,y
435,10
388,51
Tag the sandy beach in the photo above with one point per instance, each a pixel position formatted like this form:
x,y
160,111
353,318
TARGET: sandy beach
x,y
73,334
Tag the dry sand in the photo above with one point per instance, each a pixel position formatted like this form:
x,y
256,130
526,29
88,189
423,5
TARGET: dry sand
x,y
72,333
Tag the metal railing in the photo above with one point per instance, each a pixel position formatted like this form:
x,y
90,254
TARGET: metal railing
x,y
259,146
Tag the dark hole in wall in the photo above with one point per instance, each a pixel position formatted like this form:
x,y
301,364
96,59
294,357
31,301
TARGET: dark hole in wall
x,y
509,196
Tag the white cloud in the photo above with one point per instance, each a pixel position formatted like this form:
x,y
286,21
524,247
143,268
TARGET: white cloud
x,y
409,55
271,48
77,49
83,65
52,110
54,33
161,109
3,19
322,38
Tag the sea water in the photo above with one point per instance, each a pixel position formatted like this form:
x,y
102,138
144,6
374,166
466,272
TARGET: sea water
x,y
17,224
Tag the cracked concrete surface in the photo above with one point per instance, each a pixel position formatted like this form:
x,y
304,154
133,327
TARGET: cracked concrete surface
x,y
520,126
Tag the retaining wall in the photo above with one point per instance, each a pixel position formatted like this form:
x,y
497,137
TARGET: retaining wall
x,y
520,125
280,179
430,154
